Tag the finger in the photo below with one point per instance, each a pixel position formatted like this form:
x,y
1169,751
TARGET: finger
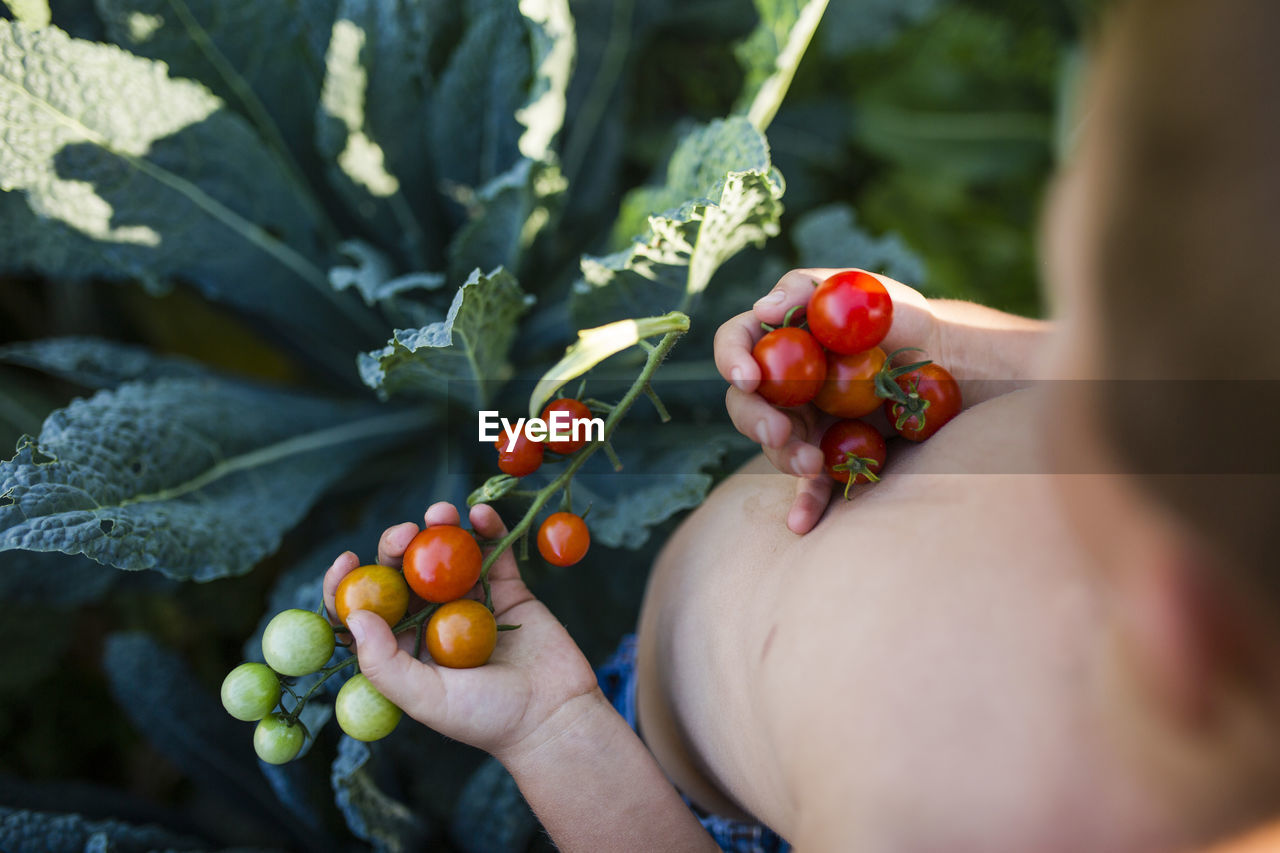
x,y
796,457
756,419
811,501
394,541
342,566
410,684
792,289
508,588
732,350
441,512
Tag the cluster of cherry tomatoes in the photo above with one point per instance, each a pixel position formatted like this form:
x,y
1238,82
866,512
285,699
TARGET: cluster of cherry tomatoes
x,y
837,365
563,538
441,566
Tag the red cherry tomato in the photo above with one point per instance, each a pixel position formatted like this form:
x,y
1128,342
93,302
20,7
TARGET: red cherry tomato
x,y
523,459
563,539
850,312
850,388
792,366
853,453
578,411
461,634
442,563
933,399
378,589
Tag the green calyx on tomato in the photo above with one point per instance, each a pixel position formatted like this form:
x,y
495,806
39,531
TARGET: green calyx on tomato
x,y
853,453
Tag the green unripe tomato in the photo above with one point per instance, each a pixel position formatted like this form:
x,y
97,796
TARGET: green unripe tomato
x,y
250,691
363,712
277,742
297,642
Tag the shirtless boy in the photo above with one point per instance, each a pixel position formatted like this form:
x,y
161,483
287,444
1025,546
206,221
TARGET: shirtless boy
x,y
1038,632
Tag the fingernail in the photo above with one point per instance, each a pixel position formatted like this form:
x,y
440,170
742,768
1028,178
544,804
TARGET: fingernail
x,y
739,381
762,433
355,627
772,299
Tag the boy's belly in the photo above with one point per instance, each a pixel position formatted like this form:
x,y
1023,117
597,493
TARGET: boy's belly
x,y
938,610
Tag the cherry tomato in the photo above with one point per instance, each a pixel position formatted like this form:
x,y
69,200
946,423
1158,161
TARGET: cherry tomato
x,y
364,713
276,740
792,366
578,411
462,634
442,563
850,388
250,691
933,400
523,459
297,642
378,589
563,539
853,453
850,312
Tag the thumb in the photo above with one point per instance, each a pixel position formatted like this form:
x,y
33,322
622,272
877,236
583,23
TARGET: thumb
x,y
395,673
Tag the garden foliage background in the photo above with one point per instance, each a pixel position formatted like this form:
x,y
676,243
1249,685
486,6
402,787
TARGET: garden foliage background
x,y
262,261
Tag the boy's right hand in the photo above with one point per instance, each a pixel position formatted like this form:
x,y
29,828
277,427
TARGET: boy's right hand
x,y
789,437
530,690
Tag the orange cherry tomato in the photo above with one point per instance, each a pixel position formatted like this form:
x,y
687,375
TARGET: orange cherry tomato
x,y
563,539
378,589
578,411
521,461
850,388
442,563
461,634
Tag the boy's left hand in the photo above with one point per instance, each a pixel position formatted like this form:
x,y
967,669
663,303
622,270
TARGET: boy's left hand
x,y
535,675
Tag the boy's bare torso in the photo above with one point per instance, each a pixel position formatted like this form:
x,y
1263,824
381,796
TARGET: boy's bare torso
x,y
935,626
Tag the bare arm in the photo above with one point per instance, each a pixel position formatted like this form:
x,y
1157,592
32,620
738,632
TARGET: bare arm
x,y
595,786
535,706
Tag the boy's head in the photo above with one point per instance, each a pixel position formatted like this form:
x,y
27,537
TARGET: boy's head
x,y
1163,243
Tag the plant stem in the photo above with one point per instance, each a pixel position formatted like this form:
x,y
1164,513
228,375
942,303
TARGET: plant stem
x,y
292,716
620,409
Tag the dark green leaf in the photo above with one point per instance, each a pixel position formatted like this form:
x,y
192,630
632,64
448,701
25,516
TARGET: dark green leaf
x,y
720,196
663,474
503,217
130,174
371,815
468,349
831,237
195,479
264,59
47,832
473,130
53,579
99,363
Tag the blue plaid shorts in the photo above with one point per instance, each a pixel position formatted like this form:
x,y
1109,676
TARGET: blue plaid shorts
x,y
617,677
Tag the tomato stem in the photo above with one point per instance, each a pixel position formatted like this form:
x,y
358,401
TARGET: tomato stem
x,y
663,414
325,674
656,354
